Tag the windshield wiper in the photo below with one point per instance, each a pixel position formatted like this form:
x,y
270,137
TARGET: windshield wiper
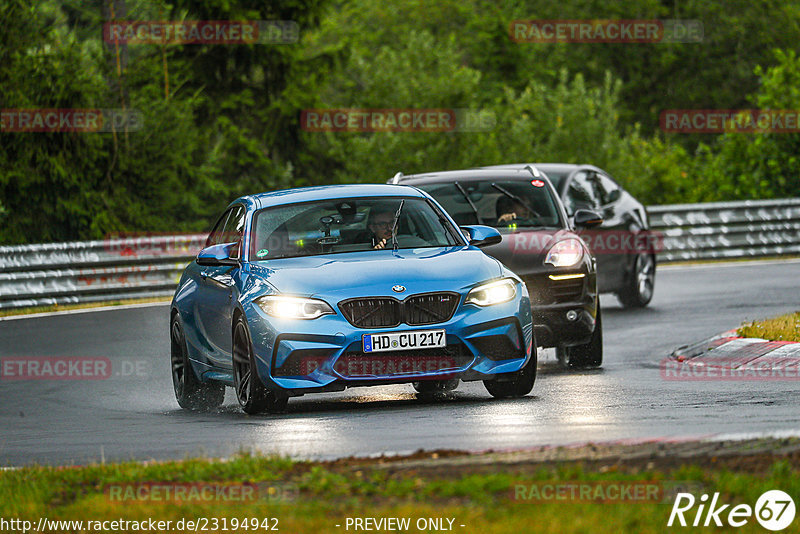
x,y
394,224
512,196
469,201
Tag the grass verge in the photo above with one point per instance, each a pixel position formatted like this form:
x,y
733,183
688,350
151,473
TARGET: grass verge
x,y
316,497
783,328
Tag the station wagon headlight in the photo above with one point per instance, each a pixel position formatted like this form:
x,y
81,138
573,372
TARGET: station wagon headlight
x,y
493,293
293,307
565,253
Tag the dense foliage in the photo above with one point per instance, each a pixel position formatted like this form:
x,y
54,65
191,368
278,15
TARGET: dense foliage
x,y
224,120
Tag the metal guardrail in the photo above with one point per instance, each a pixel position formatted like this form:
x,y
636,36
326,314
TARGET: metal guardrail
x,y
722,230
113,269
150,266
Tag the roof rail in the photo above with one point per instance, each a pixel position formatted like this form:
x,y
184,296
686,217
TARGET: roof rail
x,y
534,171
397,177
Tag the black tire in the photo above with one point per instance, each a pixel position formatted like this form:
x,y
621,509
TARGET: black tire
x,y
432,387
589,354
190,392
517,384
253,397
640,282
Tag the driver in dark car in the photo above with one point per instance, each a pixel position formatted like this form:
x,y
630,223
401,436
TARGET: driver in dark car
x,y
509,209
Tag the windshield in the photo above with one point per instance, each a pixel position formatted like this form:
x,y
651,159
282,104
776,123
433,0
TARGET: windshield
x,y
347,225
557,178
498,203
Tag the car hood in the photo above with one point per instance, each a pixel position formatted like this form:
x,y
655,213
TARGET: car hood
x,y
376,272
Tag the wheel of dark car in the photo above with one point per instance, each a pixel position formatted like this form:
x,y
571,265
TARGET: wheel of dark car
x,y
640,283
589,354
431,387
517,384
253,397
191,393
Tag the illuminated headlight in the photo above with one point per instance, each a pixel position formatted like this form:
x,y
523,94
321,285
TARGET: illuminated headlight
x,y
565,253
493,293
293,307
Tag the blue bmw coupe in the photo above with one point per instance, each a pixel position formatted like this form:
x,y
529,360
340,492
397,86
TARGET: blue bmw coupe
x,y
324,288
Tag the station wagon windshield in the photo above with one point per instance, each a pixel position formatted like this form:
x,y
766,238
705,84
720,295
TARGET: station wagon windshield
x,y
498,203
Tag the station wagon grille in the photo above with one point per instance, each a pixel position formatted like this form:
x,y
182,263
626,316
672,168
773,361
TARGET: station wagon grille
x,y
385,312
544,291
567,289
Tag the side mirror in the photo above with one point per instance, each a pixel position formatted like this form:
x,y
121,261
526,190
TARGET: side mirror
x,y
614,195
481,236
587,219
217,255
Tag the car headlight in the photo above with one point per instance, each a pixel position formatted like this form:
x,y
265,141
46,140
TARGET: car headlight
x,y
293,307
493,293
565,253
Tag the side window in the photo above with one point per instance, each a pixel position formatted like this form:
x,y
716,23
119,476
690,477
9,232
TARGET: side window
x,y
606,187
229,227
215,236
580,194
234,229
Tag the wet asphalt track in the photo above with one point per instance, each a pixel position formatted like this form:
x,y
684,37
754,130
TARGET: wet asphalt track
x,y
133,414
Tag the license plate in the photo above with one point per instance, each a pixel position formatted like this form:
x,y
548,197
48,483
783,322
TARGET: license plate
x,y
419,339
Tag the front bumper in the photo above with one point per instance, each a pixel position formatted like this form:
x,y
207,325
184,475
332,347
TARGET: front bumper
x,y
552,301
325,354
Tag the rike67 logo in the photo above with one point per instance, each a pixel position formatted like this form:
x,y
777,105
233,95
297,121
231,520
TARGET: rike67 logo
x,y
774,510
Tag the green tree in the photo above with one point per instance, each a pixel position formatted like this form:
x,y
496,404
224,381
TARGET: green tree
x,y
418,72
216,123
762,165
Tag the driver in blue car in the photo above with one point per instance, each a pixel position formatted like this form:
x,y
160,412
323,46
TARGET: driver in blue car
x,y
379,223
